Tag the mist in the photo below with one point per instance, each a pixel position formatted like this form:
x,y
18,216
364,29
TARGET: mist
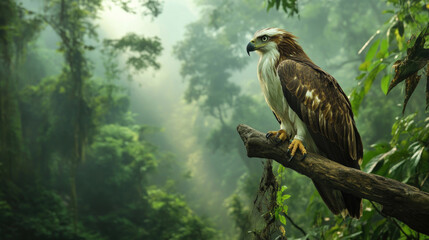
x,y
119,117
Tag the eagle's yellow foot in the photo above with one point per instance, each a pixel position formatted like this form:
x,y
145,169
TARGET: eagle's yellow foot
x,y
281,135
294,146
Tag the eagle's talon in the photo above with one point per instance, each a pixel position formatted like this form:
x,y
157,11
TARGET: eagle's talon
x,y
291,157
281,136
303,157
294,146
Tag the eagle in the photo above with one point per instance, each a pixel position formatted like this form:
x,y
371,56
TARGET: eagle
x,y
311,108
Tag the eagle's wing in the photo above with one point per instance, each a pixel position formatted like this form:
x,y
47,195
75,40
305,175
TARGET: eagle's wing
x,y
318,100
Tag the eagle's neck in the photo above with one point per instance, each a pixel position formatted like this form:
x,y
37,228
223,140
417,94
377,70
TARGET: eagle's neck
x,y
270,82
268,60
289,48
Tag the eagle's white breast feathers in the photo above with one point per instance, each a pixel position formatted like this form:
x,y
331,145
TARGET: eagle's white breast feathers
x,y
272,89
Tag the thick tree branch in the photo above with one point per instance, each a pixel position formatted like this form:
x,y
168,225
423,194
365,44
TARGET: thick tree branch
x,y
406,203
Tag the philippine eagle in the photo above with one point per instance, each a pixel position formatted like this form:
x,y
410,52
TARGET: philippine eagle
x,y
311,109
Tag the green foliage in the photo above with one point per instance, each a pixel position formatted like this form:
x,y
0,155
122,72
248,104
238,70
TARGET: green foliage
x,y
86,164
358,94
17,28
146,49
153,7
281,208
150,7
290,7
214,63
401,157
44,215
240,214
168,226
405,158
388,44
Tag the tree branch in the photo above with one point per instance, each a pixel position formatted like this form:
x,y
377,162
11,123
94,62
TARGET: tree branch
x,y
401,201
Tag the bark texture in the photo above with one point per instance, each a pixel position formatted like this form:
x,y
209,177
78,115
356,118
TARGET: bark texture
x,y
401,201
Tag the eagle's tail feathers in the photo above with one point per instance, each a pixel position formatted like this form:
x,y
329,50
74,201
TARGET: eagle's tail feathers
x,y
353,205
339,202
332,198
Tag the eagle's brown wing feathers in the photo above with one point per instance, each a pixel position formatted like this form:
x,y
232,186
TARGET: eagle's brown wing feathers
x,y
328,111
318,100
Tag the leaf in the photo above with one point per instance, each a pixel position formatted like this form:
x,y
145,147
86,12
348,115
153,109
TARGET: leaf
x,y
270,4
285,208
417,57
410,85
364,66
393,169
285,197
378,149
355,100
277,4
279,198
384,45
372,50
373,65
427,87
362,75
400,39
282,219
383,49
385,83
352,236
276,213
402,125
369,167
359,92
415,159
380,227
371,76
401,28
282,230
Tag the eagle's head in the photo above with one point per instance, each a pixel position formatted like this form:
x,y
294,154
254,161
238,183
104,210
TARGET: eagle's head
x,y
274,39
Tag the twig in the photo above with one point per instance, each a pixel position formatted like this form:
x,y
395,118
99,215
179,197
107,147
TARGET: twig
x,y
295,225
369,40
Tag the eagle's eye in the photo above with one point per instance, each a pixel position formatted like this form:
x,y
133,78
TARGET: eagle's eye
x,y
264,38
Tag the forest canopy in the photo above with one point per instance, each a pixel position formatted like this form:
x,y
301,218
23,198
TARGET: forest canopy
x,y
118,118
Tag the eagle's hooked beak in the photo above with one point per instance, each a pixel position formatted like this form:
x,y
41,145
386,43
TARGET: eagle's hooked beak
x,y
250,48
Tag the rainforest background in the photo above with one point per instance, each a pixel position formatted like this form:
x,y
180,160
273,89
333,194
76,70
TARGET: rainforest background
x,y
117,118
